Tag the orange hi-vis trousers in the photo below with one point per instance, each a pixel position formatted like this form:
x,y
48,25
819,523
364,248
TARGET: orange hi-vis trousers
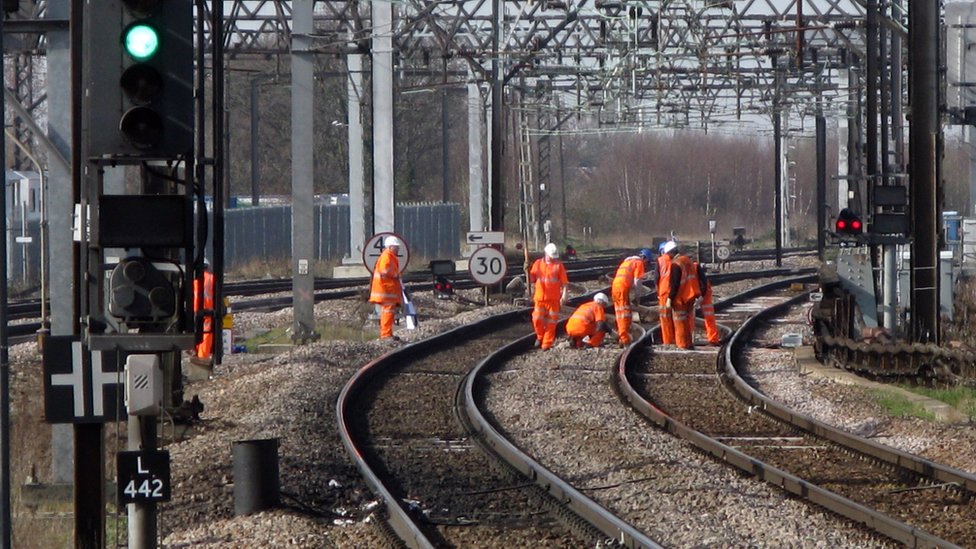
x,y
666,318
622,313
684,324
387,316
708,313
545,317
203,300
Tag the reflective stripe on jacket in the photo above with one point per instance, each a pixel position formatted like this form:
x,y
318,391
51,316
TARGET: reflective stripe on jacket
x,y
549,279
585,317
629,269
684,289
703,282
663,275
385,287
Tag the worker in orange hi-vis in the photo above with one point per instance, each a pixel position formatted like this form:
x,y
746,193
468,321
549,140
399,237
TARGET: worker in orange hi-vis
x,y
203,311
629,274
588,324
663,288
386,288
551,284
684,291
707,307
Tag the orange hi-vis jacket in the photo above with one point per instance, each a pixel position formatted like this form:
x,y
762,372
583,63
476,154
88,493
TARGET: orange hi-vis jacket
x,y
203,300
688,288
385,287
663,272
629,269
585,318
549,280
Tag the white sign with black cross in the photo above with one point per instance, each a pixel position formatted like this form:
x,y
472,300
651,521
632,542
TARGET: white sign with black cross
x,y
76,390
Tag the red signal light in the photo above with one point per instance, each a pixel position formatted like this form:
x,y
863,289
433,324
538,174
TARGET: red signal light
x,y
443,288
848,223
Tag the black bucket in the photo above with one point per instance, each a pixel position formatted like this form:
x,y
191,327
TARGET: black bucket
x,y
256,486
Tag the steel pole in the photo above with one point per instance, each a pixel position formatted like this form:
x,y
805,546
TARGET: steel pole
x,y
5,526
924,152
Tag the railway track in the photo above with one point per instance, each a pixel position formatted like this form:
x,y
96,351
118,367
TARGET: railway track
x,y
399,420
579,432
901,496
333,288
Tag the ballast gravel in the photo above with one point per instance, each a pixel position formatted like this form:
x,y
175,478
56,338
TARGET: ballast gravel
x,y
291,397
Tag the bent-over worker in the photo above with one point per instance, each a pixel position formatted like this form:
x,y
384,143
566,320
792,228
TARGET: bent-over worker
x,y
588,325
684,290
629,274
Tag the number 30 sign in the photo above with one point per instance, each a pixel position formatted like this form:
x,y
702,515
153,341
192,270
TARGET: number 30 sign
x,y
487,265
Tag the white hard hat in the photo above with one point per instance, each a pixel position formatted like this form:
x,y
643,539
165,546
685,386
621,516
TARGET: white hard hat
x,y
551,250
601,298
391,241
670,245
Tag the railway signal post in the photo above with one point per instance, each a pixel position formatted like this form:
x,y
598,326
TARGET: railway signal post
x,y
133,168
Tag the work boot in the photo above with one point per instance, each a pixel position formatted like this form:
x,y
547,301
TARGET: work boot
x,y
538,343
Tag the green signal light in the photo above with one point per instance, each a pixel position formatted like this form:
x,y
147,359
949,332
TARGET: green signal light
x,y
141,41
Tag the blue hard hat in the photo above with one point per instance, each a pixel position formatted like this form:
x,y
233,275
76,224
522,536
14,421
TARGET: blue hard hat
x,y
660,247
647,254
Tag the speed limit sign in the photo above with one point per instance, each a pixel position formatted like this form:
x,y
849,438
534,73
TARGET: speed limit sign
x,y
374,247
487,265
723,253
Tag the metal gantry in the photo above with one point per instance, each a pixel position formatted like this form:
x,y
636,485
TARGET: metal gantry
x,y
640,63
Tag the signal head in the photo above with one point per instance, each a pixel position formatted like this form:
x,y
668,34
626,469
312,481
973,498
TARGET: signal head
x,y
848,223
140,40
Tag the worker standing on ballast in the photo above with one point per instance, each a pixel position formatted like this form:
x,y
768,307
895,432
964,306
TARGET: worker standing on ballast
x,y
684,290
663,288
203,310
628,277
588,325
386,288
712,334
551,284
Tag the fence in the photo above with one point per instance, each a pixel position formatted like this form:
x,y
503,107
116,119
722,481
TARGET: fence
x,y
432,230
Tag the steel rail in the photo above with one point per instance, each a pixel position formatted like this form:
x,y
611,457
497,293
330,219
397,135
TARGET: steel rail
x,y
898,530
623,533
920,466
872,519
572,508
399,519
398,515
580,269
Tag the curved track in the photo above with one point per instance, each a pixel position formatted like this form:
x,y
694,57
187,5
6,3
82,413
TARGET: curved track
x,y
901,496
398,420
